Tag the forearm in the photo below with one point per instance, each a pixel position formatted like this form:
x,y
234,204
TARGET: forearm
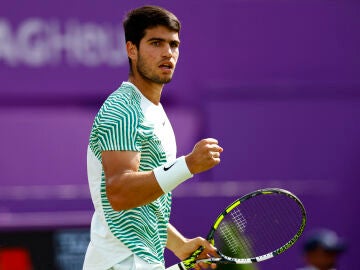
x,y
129,188
175,239
183,247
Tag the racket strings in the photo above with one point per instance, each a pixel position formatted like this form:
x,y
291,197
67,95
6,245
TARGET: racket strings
x,y
229,237
228,231
239,219
258,226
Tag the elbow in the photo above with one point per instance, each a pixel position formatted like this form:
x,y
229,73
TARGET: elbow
x,y
117,204
117,198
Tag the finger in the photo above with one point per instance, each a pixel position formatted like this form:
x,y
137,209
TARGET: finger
x,y
215,148
203,265
214,154
211,141
209,249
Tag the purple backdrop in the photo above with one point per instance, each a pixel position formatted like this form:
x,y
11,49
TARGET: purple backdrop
x,y
277,82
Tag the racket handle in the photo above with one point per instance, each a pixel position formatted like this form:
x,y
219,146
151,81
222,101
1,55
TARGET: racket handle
x,y
188,263
179,266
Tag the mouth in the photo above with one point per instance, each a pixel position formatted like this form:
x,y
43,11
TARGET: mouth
x,y
166,66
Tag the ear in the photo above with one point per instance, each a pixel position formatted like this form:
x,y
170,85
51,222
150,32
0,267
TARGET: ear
x,y
131,50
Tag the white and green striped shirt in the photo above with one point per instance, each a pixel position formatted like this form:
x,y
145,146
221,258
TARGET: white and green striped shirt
x,y
127,121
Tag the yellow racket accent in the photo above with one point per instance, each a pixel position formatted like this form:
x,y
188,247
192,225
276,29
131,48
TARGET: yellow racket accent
x,y
231,207
220,218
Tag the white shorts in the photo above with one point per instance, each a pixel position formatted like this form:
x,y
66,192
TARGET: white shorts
x,y
135,263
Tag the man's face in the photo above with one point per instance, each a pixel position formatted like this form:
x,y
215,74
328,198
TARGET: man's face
x,y
157,55
322,259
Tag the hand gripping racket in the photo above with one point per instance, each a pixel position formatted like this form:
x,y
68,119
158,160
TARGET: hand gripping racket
x,y
254,228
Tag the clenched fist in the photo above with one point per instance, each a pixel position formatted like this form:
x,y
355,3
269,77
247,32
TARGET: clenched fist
x,y
204,156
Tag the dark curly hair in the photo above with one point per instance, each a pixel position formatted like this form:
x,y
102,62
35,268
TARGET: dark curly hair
x,y
138,20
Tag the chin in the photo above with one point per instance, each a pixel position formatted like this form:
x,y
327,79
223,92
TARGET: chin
x,y
164,80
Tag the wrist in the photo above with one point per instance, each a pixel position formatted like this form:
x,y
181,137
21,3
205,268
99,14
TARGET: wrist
x,y
172,174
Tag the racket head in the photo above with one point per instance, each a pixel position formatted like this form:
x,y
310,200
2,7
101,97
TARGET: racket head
x,y
258,226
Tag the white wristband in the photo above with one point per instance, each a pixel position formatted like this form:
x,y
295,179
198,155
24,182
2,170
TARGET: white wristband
x,y
172,174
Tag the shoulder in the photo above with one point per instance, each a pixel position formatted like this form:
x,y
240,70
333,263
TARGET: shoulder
x,y
123,101
125,94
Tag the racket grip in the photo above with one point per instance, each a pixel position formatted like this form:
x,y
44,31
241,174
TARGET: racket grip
x,y
188,263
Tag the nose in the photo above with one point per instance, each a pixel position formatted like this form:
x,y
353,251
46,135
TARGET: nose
x,y
167,52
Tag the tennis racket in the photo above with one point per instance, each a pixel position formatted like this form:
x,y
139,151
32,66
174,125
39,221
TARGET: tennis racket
x,y
254,228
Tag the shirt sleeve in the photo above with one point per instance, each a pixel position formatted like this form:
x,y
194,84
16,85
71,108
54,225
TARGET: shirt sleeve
x,y
118,128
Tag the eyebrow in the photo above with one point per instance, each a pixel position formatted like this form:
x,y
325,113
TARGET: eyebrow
x,y
163,40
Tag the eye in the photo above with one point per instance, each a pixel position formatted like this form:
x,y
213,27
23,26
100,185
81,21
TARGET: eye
x,y
174,44
155,43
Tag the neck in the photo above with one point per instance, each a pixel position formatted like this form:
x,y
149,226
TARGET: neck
x,y
152,91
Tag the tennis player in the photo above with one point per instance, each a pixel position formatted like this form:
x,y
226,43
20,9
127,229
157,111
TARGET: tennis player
x,y
132,162
322,250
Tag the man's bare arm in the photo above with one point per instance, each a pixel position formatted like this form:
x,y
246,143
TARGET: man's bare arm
x,y
183,247
126,187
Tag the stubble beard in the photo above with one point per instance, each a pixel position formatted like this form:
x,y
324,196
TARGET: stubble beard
x,y
148,75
